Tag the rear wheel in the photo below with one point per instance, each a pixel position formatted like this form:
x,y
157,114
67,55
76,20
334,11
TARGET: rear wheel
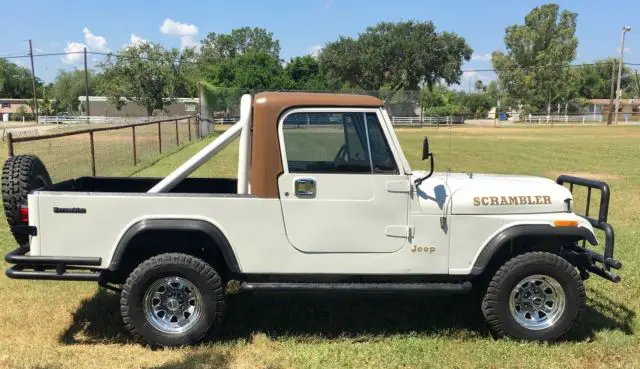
x,y
20,175
172,300
534,296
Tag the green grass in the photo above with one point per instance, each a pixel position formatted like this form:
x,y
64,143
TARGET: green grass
x,y
76,325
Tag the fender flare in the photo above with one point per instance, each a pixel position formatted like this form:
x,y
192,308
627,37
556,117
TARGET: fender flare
x,y
541,230
191,225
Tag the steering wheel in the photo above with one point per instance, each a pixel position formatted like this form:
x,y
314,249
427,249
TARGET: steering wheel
x,y
341,156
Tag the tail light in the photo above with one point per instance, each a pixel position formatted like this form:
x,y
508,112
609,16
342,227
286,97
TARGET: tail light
x,y
24,214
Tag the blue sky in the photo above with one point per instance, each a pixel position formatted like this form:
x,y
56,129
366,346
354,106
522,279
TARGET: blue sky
x,y
301,26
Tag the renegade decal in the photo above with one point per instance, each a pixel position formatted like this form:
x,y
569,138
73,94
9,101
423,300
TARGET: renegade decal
x,y
511,200
58,210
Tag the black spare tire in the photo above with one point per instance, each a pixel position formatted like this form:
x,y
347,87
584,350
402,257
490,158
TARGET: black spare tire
x,y
20,175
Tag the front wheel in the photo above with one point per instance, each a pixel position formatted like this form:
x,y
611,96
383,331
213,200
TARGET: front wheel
x,y
534,296
172,300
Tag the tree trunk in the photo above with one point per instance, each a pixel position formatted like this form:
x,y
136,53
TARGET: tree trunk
x,y
149,111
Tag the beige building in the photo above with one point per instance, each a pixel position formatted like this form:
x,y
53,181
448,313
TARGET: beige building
x,y
12,105
100,106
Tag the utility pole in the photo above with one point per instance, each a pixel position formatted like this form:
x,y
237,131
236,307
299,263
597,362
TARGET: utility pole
x,y
86,84
625,29
613,87
33,83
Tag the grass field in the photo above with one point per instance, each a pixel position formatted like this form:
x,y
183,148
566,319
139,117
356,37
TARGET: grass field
x,y
76,325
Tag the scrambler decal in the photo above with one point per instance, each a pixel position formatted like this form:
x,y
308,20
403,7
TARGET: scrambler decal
x,y
511,200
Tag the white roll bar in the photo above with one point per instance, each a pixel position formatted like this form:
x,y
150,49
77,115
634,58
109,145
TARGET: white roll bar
x,y
244,152
210,150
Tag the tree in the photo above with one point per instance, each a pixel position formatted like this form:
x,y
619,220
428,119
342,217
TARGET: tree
x,y
534,68
216,47
69,85
145,74
401,55
595,80
304,74
15,81
248,72
479,85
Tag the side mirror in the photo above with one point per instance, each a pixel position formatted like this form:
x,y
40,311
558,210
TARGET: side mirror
x,y
425,148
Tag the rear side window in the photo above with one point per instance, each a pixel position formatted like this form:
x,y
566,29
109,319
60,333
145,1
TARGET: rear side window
x,y
340,142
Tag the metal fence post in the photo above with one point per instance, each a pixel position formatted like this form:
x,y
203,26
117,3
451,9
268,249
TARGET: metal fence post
x,y
159,138
177,140
10,144
133,136
189,126
93,154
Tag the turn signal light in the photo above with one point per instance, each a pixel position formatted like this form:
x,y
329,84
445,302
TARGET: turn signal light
x,y
565,223
24,214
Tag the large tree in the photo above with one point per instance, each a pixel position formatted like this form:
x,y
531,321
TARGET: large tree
x,y
240,41
69,85
595,79
395,56
248,72
304,74
15,80
145,74
534,70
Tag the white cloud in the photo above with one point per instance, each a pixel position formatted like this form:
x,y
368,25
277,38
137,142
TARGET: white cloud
x,y
135,40
626,50
76,48
95,43
481,57
185,31
315,50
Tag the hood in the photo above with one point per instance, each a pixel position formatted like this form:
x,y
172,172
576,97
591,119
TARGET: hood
x,y
500,194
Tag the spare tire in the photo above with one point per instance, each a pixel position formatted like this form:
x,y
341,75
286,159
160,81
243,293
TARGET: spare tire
x,y
20,175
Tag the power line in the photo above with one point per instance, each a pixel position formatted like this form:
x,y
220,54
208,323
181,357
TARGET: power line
x,y
24,55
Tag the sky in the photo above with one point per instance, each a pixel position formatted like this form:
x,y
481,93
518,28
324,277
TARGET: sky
x,y
302,26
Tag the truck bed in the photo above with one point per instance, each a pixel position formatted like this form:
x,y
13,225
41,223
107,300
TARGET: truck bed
x,y
143,184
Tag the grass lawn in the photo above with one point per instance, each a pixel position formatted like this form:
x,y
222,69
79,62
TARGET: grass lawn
x,y
77,325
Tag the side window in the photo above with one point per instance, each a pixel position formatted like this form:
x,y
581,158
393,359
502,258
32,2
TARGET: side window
x,y
319,142
325,143
381,156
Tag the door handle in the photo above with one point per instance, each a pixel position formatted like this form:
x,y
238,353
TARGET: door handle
x,y
305,187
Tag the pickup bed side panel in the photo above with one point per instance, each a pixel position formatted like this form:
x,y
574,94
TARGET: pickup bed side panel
x,y
253,226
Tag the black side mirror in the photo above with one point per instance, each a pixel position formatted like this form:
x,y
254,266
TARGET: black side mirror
x,y
426,154
425,148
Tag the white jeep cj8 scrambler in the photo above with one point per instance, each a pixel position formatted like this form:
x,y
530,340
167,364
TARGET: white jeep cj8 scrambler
x,y
325,201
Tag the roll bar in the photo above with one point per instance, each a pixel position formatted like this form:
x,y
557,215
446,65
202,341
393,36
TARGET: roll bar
x,y
242,126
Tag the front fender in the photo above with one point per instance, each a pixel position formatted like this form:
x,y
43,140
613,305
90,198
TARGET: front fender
x,y
503,238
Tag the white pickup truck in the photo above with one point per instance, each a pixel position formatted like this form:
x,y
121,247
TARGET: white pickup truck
x,y
325,200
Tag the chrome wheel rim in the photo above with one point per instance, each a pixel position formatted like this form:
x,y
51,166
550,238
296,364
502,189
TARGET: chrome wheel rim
x,y
172,305
537,302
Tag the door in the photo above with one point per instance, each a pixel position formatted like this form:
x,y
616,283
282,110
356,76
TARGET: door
x,y
342,190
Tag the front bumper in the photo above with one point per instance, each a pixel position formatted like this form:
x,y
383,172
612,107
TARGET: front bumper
x,y
588,260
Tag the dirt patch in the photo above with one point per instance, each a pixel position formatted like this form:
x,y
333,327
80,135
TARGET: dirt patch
x,y
591,175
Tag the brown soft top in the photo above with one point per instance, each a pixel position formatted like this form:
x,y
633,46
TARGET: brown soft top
x,y
285,100
266,162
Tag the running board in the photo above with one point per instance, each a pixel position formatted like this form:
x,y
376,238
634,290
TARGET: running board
x,y
354,287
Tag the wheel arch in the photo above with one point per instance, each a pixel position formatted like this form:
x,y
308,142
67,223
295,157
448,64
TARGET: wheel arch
x,y
528,237
206,240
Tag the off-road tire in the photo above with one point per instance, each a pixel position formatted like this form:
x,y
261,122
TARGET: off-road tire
x,y
196,271
495,304
20,175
